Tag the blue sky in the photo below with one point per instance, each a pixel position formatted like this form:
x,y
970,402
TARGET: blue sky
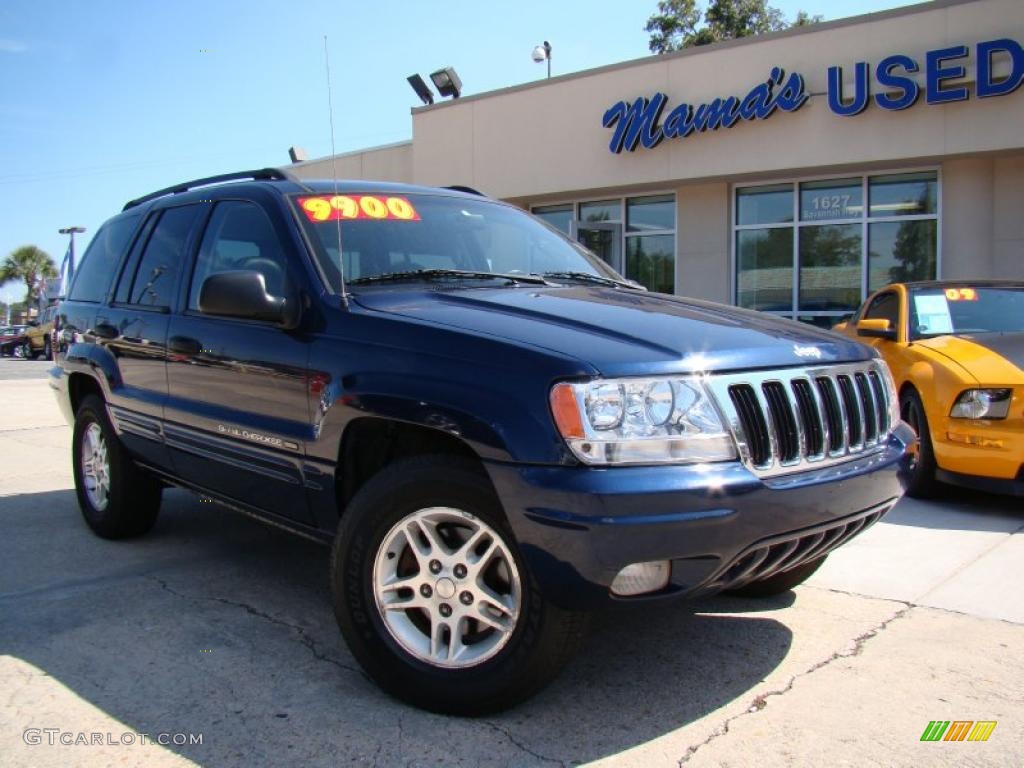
x,y
103,101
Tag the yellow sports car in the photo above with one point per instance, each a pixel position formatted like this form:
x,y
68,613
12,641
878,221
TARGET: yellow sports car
x,y
956,350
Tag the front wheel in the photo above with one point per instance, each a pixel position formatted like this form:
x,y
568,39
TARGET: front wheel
x,y
922,483
780,582
117,499
434,598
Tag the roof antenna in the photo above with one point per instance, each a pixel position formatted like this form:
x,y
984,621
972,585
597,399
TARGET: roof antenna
x,y
334,173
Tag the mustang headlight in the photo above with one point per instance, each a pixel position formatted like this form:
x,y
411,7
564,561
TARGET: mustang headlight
x,y
982,404
641,421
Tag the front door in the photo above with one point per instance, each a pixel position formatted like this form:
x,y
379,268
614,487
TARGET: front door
x,y
237,417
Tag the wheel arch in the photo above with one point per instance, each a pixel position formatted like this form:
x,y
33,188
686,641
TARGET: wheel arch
x,y
369,444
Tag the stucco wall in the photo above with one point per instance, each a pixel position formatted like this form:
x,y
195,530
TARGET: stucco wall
x,y
390,163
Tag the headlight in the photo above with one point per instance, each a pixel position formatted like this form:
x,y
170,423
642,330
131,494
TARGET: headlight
x,y
641,421
982,404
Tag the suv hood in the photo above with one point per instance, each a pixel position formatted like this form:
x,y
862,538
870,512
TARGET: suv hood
x,y
622,332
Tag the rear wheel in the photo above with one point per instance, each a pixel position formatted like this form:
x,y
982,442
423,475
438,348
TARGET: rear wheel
x,y
922,483
433,597
118,500
780,582
47,349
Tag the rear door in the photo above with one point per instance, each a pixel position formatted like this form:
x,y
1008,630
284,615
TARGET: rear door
x,y
133,327
238,412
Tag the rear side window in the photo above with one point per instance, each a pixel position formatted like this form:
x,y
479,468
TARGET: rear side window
x,y
99,264
158,270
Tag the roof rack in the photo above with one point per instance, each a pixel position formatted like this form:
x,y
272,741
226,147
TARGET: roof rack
x,y
261,174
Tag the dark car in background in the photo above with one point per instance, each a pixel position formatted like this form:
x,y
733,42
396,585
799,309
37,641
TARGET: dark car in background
x,y
495,432
12,341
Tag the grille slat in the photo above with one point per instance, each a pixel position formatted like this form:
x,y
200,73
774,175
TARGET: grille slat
x,y
788,420
783,422
812,434
754,425
881,401
867,402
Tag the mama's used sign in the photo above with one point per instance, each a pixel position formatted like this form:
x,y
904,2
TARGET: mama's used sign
x,y
645,122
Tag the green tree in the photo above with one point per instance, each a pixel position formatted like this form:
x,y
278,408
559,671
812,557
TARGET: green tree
x,y
30,265
677,24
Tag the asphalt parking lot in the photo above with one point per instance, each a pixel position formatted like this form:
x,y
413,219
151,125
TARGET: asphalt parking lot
x,y
219,626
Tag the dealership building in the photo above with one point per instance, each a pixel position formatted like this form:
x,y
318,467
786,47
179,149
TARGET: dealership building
x,y
793,172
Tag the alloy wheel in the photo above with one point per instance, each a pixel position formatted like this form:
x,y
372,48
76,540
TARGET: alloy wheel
x,y
447,587
96,467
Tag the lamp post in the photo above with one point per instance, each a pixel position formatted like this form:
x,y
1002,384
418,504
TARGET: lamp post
x,y
543,53
72,231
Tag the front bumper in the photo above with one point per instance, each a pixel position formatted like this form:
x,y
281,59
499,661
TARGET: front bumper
x,y
577,527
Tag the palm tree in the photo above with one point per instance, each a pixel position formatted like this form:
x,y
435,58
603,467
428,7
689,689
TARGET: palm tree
x,y
30,265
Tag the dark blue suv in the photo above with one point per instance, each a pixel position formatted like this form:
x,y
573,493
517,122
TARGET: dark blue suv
x,y
495,431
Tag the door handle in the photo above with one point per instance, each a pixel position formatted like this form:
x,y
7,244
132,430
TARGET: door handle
x,y
184,345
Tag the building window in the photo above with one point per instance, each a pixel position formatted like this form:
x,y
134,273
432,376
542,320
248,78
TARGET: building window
x,y
558,216
813,250
635,235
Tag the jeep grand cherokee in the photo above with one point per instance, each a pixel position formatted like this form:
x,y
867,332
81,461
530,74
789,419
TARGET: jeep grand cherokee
x,y
494,430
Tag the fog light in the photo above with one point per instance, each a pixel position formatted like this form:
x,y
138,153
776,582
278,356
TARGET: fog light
x,y
640,578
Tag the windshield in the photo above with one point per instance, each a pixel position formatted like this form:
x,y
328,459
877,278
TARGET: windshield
x,y
965,309
388,235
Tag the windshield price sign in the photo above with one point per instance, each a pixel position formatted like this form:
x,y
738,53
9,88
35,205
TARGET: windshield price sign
x,y
350,207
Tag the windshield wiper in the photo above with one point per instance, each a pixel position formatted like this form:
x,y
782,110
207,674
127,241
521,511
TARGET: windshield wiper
x,y
435,274
591,278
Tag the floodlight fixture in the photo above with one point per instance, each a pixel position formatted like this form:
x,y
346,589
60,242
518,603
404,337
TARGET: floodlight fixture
x,y
421,88
447,82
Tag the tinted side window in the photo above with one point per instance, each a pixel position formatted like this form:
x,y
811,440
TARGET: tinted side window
x,y
157,274
99,264
240,236
884,307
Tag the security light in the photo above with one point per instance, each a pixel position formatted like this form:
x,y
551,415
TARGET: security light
x,y
543,53
447,82
421,88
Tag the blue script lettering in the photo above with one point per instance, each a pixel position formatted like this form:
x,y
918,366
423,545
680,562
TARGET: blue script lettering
x,y
637,123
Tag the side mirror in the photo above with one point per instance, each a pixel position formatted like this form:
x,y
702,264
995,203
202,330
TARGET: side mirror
x,y
243,294
876,328
33,323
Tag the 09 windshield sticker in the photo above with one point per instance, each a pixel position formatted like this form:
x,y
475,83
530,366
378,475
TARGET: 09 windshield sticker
x,y
351,207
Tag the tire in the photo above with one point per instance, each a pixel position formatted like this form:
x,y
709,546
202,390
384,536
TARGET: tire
x,y
47,349
780,582
498,665
922,483
118,500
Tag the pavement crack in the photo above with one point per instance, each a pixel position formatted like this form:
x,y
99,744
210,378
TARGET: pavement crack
x,y
304,637
760,701
514,741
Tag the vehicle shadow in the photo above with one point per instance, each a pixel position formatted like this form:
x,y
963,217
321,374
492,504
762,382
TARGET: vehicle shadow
x,y
960,509
217,625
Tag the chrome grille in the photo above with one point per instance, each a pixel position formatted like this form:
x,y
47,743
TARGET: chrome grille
x,y
802,418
